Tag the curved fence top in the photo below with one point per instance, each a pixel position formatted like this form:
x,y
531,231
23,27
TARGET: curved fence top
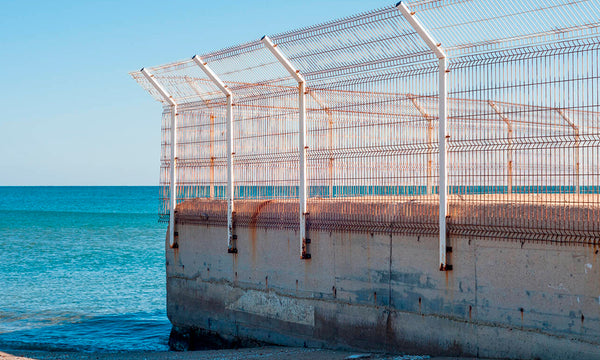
x,y
380,40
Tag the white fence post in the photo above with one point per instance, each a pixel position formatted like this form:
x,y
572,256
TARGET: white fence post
x,y
443,130
173,188
304,253
231,248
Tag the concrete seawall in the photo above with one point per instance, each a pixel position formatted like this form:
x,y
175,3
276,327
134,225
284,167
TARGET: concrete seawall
x,y
361,290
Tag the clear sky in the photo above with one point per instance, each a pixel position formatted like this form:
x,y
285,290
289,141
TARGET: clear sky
x,y
71,115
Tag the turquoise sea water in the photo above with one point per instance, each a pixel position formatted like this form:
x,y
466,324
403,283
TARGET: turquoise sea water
x,y
82,268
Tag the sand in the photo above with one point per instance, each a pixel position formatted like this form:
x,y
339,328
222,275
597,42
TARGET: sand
x,y
270,353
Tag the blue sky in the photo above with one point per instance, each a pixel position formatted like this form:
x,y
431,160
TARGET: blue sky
x,y
70,113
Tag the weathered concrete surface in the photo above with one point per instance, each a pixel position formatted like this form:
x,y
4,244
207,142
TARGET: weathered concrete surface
x,y
504,299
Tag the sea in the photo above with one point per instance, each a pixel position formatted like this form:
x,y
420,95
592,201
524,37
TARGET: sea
x,y
82,269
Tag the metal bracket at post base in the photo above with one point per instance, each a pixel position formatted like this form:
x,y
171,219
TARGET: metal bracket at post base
x,y
231,237
446,267
232,248
305,254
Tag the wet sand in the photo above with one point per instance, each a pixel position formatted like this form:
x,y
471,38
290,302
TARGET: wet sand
x,y
270,353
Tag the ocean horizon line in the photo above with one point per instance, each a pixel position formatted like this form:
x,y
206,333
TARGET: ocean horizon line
x,y
57,186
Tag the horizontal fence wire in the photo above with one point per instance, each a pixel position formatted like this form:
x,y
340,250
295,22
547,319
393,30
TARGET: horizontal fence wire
x,y
523,125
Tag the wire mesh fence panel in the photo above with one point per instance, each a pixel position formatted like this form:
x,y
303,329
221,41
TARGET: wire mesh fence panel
x,y
524,142
372,146
266,152
523,126
201,155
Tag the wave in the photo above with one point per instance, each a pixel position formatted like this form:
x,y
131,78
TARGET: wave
x,y
77,212
143,331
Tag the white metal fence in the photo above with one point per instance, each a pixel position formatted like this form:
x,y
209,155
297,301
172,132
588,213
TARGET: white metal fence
x,y
343,116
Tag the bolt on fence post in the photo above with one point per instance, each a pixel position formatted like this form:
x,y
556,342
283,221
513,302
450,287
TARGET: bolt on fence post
x,y
304,254
443,130
173,166
231,248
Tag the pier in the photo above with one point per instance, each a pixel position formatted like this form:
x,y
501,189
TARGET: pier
x,y
422,177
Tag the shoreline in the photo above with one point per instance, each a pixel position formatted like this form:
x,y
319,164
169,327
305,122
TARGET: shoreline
x,y
271,353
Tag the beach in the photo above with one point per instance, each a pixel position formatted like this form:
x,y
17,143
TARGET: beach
x,y
271,353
